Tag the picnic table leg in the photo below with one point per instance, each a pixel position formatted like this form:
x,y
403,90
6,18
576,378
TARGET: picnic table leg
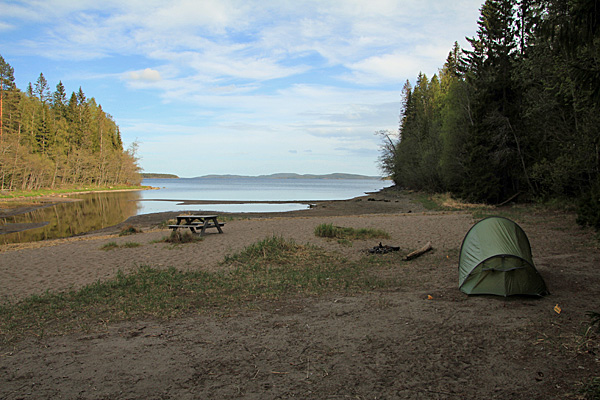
x,y
217,225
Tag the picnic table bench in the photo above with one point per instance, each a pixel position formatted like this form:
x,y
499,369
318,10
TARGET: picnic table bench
x,y
197,223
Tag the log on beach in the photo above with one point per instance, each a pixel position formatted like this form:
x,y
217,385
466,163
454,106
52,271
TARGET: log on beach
x,y
419,252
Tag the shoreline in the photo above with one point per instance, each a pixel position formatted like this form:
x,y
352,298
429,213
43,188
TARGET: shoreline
x,y
388,200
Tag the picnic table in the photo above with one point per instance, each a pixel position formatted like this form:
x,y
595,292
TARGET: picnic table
x,y
197,223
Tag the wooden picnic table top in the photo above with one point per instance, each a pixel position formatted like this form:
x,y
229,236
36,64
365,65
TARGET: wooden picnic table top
x,y
196,216
202,218
205,221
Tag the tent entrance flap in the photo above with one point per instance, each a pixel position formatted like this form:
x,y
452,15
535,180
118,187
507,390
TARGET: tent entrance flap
x,y
495,258
503,262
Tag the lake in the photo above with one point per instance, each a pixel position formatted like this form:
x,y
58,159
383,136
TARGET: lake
x,y
99,210
251,189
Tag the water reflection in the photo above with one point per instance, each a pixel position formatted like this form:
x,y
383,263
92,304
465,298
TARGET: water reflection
x,y
94,211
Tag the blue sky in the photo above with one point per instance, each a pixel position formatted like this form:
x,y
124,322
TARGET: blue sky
x,y
239,87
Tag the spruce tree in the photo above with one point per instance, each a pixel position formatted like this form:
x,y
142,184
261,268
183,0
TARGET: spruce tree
x,y
492,148
59,100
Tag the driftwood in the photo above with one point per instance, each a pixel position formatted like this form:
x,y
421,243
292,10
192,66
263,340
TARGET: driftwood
x,y
419,252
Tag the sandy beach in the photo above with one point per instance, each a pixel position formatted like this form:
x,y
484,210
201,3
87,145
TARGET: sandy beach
x,y
422,340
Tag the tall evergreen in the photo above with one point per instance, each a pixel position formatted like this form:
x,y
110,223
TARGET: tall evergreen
x,y
493,142
515,116
7,84
59,100
42,90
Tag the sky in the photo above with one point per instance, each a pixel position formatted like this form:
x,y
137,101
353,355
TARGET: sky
x,y
243,87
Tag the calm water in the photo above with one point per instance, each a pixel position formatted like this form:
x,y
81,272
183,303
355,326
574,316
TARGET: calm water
x,y
250,189
100,210
94,211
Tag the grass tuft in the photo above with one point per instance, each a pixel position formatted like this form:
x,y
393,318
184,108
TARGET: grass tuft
x,y
130,245
177,237
114,245
338,232
129,230
110,246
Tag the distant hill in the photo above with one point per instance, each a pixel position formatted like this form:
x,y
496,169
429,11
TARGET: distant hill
x,y
295,176
310,176
150,175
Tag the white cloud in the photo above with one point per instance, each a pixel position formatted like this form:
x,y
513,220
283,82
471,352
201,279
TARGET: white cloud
x,y
384,68
312,76
376,40
5,26
215,15
145,75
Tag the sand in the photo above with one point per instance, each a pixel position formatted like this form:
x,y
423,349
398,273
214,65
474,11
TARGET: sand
x,y
68,264
422,340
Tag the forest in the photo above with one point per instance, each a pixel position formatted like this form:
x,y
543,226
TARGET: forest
x,y
515,117
48,141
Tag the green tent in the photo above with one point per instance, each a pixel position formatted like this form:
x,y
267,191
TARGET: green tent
x,y
495,258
